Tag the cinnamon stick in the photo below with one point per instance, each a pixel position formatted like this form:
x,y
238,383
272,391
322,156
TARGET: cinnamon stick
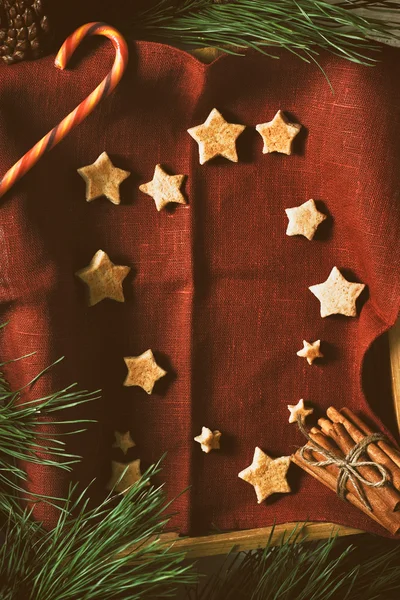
x,y
392,452
345,438
327,443
326,478
326,475
317,436
320,438
382,499
373,450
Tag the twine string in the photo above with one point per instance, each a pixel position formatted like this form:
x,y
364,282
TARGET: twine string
x,y
348,465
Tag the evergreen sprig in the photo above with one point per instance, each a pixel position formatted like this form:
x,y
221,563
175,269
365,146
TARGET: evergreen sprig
x,y
300,570
300,26
112,551
25,433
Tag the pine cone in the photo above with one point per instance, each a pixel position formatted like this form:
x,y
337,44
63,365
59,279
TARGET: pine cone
x,y
24,29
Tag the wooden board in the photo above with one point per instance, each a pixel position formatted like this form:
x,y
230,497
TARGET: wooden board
x,y
394,341
251,539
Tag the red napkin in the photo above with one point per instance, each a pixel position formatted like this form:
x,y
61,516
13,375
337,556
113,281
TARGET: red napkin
x,y
217,289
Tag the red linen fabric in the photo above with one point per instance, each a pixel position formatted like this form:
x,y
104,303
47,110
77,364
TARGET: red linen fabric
x,y
217,289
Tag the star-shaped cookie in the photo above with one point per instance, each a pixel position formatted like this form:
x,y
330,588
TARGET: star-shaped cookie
x,y
310,351
164,188
123,441
103,179
267,475
128,474
143,371
216,137
209,440
278,134
298,411
337,295
304,219
103,278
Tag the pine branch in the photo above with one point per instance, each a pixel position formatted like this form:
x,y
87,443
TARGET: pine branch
x,y
25,432
300,26
109,552
300,570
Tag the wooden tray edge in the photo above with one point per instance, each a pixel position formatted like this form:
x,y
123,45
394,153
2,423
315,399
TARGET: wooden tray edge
x,y
252,539
394,344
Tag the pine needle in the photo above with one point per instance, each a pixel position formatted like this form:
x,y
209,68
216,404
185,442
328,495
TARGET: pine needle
x,y
108,552
300,26
300,570
27,432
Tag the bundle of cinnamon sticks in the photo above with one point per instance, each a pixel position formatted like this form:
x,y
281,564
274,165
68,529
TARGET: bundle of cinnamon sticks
x,y
338,433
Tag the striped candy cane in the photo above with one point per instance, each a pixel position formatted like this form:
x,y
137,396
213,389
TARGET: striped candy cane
x,y
84,109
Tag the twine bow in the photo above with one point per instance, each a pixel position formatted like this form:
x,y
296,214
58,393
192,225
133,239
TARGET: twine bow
x,y
348,465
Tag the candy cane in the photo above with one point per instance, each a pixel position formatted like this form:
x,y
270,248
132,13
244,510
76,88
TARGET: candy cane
x,y
84,109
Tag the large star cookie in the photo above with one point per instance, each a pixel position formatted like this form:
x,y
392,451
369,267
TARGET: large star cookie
x,y
124,475
298,411
216,137
310,351
304,219
103,179
267,475
143,371
209,440
164,188
337,295
278,134
103,278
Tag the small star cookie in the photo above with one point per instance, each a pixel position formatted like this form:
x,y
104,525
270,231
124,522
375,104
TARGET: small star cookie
x,y
337,295
298,411
103,179
278,134
124,476
164,188
103,279
123,441
267,475
310,351
304,219
216,137
209,440
143,371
